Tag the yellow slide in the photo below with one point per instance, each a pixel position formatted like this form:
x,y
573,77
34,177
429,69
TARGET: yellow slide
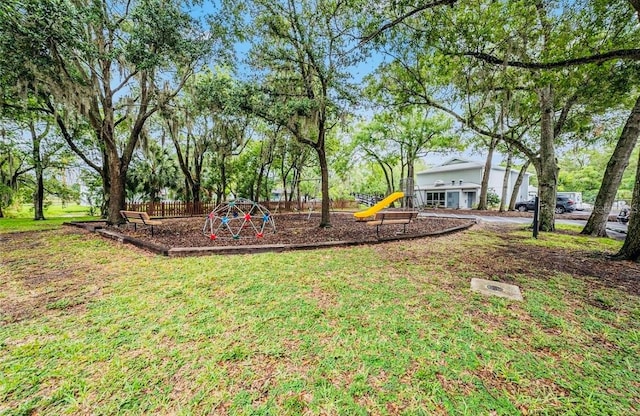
x,y
380,205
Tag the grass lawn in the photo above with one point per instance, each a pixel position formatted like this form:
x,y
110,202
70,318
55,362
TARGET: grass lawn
x,y
88,326
21,218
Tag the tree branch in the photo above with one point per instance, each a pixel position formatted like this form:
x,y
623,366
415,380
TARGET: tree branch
x,y
562,119
624,54
403,17
69,139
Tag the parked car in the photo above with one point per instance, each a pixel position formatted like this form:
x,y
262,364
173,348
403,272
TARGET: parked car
x,y
563,204
623,216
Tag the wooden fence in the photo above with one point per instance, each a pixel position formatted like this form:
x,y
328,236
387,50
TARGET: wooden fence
x,y
172,208
282,206
185,209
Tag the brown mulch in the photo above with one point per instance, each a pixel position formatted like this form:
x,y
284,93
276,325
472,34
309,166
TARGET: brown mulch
x,y
513,256
296,228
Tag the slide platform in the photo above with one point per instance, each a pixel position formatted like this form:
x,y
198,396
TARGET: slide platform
x,y
379,206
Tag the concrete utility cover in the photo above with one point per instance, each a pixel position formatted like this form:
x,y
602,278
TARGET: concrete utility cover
x,y
488,287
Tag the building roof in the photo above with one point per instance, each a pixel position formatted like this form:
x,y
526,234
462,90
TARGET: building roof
x,y
458,164
454,165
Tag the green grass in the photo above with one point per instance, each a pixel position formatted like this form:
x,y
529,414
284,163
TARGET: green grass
x,y
21,218
55,209
99,328
559,240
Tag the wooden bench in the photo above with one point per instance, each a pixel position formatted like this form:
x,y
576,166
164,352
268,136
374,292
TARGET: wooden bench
x,y
393,217
142,218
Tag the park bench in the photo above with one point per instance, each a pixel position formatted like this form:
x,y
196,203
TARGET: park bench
x,y
393,217
142,218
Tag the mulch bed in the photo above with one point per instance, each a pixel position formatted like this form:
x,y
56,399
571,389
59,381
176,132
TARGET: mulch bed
x,y
295,230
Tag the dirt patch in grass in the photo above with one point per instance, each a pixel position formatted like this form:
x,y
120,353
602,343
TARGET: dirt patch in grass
x,y
511,256
36,284
598,267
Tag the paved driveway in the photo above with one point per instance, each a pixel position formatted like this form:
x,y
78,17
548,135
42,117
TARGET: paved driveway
x,y
614,229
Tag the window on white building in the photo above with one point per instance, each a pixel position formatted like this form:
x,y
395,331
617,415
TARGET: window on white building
x,y
435,199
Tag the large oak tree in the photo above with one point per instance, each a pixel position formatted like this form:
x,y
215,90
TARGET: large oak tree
x,y
109,63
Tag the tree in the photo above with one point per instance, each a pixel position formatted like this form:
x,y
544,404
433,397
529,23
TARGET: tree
x,y
517,184
619,20
404,136
307,48
493,112
529,32
290,159
370,139
12,167
231,136
112,64
610,29
32,152
630,250
207,124
254,164
36,140
597,222
583,168
505,182
152,171
418,132
190,132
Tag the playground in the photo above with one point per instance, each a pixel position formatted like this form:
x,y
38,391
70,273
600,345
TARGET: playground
x,y
243,222
290,229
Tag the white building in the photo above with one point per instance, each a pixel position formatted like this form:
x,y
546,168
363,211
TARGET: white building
x,y
457,182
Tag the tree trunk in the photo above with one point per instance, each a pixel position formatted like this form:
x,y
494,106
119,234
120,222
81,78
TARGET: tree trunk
x,y
106,185
267,190
223,178
517,185
386,170
258,184
388,177
631,248
284,175
325,220
38,213
106,192
38,197
484,189
292,189
117,193
548,167
597,223
298,197
285,191
409,188
505,183
195,191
